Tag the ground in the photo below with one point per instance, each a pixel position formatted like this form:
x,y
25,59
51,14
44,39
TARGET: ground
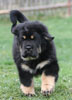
x,y
61,29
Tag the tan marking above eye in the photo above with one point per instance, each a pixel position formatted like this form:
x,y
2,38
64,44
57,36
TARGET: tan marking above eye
x,y
24,37
32,37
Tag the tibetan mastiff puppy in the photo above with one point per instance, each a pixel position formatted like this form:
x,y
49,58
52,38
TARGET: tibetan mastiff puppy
x,y
34,54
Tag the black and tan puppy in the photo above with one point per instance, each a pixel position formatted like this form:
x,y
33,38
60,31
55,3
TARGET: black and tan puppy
x,y
34,53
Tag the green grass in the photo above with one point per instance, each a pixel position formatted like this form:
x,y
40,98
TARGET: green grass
x,y
61,28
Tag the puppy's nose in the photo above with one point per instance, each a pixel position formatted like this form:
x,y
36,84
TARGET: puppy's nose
x,y
28,48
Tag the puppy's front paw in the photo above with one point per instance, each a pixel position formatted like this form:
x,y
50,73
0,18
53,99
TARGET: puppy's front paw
x,y
47,89
28,91
48,84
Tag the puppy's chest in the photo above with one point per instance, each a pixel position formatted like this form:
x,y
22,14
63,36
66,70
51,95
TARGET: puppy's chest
x,y
34,68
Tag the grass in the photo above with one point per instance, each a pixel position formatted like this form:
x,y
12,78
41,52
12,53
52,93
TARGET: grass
x,y
61,28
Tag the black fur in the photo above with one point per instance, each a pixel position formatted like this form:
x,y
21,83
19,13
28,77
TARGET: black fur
x,y
42,38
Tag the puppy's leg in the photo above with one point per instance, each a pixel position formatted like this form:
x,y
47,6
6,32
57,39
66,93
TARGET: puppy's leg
x,y
49,77
28,91
48,84
27,85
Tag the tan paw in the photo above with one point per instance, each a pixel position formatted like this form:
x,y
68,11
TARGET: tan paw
x,y
48,84
47,90
28,91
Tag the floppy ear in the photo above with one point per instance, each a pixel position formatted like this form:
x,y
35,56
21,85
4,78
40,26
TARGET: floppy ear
x,y
15,16
47,36
42,29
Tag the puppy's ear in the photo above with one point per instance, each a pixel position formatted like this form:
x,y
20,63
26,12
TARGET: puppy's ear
x,y
15,16
42,29
48,37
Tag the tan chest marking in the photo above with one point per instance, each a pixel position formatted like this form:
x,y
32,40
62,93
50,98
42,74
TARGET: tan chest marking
x,y
39,66
26,68
42,64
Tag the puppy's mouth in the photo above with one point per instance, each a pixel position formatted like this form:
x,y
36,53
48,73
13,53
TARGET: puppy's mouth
x,y
28,58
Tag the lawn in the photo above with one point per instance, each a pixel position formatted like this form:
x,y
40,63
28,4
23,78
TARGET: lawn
x,y
61,29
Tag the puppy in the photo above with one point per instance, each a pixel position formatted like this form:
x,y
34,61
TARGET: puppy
x,y
34,54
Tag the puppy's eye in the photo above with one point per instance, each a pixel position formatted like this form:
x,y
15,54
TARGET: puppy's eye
x,y
24,37
32,37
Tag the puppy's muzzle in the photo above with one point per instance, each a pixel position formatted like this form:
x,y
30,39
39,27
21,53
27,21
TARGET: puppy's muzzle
x,y
28,51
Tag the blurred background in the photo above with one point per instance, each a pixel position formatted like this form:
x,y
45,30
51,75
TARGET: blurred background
x,y
30,7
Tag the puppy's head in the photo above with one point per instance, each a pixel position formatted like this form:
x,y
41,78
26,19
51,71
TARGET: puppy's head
x,y
32,36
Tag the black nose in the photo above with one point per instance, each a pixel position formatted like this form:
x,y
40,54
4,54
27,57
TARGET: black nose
x,y
28,48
